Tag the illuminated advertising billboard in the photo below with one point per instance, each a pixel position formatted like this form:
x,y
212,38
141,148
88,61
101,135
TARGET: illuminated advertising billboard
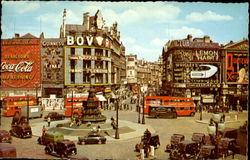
x,y
237,68
20,64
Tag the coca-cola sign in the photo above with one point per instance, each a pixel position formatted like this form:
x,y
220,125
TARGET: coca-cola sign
x,y
21,67
20,64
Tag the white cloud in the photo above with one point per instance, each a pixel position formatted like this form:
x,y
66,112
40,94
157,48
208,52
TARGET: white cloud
x,y
157,42
135,12
182,32
21,6
207,16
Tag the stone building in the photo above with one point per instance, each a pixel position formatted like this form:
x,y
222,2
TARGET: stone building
x,y
131,66
192,67
92,48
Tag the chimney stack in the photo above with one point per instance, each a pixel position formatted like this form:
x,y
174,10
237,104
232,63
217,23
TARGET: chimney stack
x,y
206,39
86,20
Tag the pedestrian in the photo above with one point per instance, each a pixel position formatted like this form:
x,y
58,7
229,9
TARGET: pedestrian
x,y
44,130
48,121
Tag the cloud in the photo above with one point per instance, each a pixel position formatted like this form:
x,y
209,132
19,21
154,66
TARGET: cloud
x,y
21,6
207,16
157,42
135,12
182,32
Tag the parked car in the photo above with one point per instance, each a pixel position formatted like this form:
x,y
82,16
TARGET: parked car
x,y
50,137
21,130
174,142
154,140
92,138
54,116
5,137
7,151
62,148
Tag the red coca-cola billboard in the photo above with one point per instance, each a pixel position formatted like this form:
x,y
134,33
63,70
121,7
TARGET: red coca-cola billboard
x,y
20,64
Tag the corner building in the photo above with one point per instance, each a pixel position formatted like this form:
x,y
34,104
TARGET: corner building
x,y
193,68
92,48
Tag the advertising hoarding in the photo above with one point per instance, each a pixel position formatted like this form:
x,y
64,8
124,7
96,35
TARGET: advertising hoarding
x,y
20,64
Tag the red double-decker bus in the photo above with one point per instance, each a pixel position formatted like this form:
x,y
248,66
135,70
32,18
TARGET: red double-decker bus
x,y
184,106
12,105
78,103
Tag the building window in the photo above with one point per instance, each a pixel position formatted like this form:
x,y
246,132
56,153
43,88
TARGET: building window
x,y
131,73
130,59
72,78
87,51
72,51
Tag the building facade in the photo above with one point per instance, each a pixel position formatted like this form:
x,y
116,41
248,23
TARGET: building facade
x,y
193,68
20,66
235,73
131,63
52,66
92,49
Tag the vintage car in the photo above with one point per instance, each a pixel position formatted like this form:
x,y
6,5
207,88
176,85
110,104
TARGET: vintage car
x,y
7,151
62,148
92,138
162,112
174,142
22,130
199,138
50,137
153,140
5,137
207,151
54,116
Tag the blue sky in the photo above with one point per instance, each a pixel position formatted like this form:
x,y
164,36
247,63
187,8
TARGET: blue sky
x,y
144,26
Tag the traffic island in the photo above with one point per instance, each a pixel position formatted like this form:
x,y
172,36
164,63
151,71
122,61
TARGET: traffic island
x,y
127,129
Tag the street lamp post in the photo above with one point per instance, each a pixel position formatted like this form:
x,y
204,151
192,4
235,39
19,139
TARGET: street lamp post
x,y
72,103
117,118
139,109
36,87
215,128
143,90
28,109
143,112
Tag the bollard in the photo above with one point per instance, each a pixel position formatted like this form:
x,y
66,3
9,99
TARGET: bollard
x,y
142,153
152,152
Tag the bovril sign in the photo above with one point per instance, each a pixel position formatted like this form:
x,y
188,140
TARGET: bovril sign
x,y
88,40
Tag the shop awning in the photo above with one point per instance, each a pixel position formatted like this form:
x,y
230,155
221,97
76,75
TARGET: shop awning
x,y
101,98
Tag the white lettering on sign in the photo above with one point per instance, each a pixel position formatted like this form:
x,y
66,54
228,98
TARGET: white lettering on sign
x,y
207,55
79,40
70,40
99,40
87,40
21,67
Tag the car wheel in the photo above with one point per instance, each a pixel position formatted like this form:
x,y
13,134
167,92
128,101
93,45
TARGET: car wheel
x,y
11,133
47,150
103,142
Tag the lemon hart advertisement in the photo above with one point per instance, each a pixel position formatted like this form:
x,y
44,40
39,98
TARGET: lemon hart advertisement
x,y
20,64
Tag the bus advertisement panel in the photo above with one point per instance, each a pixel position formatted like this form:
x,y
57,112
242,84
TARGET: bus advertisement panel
x,y
184,106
